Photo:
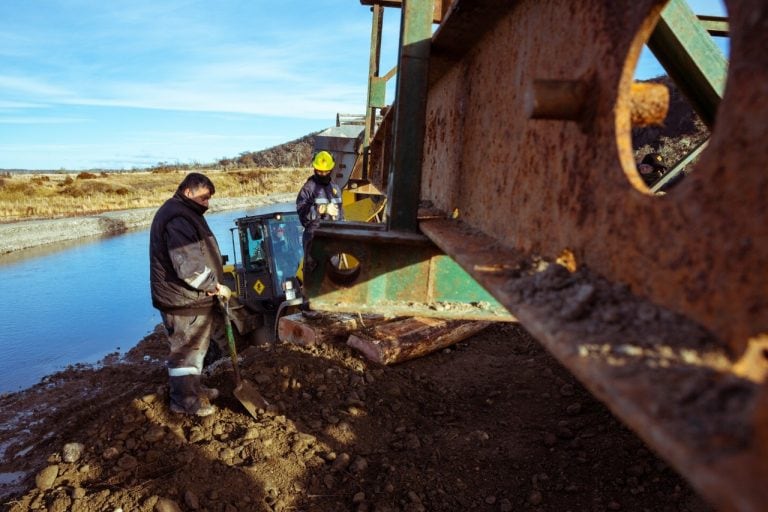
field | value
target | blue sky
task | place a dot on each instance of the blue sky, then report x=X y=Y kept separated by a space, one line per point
x=87 y=84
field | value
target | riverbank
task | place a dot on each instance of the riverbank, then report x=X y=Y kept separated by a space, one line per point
x=17 y=236
x=491 y=424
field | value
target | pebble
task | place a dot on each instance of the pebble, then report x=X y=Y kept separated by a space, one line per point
x=226 y=454
x=154 y=434
x=505 y=505
x=45 y=478
x=341 y=462
x=60 y=503
x=614 y=506
x=412 y=442
x=190 y=498
x=110 y=453
x=196 y=435
x=567 y=390
x=127 y=462
x=479 y=435
x=358 y=498
x=166 y=505
x=149 y=399
x=535 y=498
x=78 y=493
x=252 y=433
x=359 y=465
x=574 y=408
x=72 y=452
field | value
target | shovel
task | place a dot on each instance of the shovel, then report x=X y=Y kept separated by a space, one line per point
x=245 y=392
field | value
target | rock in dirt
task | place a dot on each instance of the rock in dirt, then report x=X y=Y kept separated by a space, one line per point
x=71 y=452
x=44 y=479
x=166 y=505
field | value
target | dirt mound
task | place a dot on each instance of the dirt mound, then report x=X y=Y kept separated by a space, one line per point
x=491 y=424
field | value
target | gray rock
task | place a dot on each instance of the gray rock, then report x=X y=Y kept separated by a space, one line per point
x=72 y=452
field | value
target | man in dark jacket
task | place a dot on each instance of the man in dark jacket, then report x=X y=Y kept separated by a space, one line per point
x=185 y=276
x=652 y=168
x=319 y=199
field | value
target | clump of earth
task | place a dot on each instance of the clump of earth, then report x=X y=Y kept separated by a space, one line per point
x=493 y=423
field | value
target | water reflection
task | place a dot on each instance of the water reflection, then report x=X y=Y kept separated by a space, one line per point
x=79 y=301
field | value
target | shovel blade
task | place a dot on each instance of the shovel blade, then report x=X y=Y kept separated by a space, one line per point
x=250 y=397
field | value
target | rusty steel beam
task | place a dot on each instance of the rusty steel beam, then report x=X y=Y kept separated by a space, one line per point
x=665 y=376
x=686 y=269
x=656 y=303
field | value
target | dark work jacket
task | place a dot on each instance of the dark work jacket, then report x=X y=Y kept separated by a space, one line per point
x=184 y=258
x=312 y=195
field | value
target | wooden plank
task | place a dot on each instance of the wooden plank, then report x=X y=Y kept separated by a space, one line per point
x=317 y=327
x=399 y=341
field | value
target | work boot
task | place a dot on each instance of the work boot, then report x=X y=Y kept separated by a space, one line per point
x=185 y=399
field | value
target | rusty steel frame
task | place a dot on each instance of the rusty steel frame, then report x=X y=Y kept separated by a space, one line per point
x=659 y=305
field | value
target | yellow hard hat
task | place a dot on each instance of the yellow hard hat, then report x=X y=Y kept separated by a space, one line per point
x=323 y=161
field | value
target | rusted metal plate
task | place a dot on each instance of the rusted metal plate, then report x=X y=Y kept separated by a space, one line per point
x=689 y=266
x=546 y=185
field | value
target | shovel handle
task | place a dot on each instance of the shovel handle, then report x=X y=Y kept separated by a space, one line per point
x=230 y=340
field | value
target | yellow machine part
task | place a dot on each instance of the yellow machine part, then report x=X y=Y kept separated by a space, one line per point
x=361 y=210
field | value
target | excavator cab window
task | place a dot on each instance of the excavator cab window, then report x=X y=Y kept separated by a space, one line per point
x=256 y=258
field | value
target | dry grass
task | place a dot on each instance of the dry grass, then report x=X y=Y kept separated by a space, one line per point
x=42 y=196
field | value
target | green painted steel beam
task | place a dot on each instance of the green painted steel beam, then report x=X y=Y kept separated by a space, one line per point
x=404 y=183
x=691 y=58
x=715 y=25
x=374 y=91
x=400 y=274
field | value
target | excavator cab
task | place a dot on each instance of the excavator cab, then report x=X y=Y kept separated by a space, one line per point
x=264 y=279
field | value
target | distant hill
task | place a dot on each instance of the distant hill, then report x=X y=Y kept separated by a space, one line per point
x=296 y=153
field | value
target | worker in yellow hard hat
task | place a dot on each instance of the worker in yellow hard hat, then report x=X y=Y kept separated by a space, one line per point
x=319 y=199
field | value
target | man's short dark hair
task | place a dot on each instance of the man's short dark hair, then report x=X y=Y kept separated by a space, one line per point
x=194 y=181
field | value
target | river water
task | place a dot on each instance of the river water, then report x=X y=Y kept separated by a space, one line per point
x=79 y=302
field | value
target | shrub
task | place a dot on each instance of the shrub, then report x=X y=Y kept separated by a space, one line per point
x=86 y=176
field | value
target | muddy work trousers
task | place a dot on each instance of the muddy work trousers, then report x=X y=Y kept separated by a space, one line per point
x=189 y=337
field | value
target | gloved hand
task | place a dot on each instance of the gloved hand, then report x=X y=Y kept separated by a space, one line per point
x=224 y=292
x=332 y=210
x=322 y=209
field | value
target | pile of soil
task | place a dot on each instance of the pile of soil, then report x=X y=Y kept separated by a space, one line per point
x=491 y=424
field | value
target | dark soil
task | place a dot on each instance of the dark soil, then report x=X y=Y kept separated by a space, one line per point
x=491 y=424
